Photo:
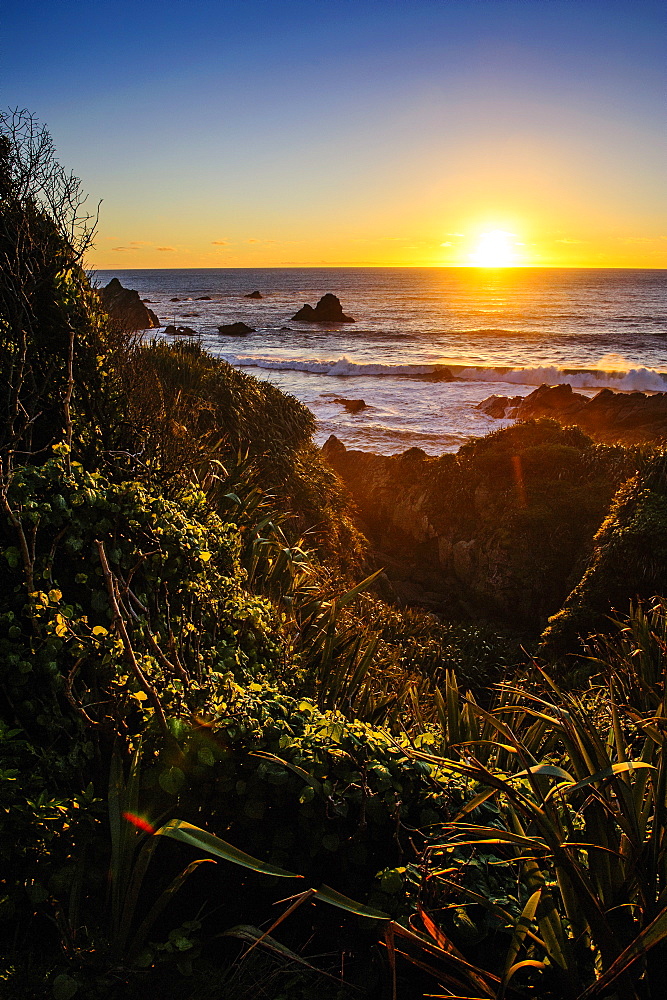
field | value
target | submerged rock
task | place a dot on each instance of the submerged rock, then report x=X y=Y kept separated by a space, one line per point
x=235 y=329
x=351 y=405
x=180 y=331
x=327 y=310
x=439 y=374
x=125 y=306
x=204 y=298
x=254 y=295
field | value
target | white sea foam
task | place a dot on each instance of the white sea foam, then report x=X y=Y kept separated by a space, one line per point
x=628 y=380
x=631 y=380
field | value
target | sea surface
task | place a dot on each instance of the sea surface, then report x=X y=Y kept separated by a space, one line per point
x=501 y=331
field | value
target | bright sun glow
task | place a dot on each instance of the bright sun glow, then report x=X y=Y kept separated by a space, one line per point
x=495 y=249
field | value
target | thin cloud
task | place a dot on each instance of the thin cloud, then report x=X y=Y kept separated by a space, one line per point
x=141 y=243
x=220 y=243
x=121 y=249
x=570 y=241
x=166 y=248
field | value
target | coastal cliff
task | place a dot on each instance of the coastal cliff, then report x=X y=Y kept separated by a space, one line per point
x=503 y=529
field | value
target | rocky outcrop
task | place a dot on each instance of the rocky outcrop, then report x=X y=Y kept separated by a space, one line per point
x=351 y=405
x=626 y=417
x=327 y=310
x=254 y=295
x=235 y=329
x=126 y=308
x=502 y=530
x=628 y=563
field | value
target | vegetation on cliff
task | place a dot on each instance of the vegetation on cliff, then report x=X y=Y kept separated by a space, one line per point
x=204 y=708
x=503 y=529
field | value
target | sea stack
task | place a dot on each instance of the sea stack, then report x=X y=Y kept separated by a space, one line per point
x=125 y=306
x=327 y=310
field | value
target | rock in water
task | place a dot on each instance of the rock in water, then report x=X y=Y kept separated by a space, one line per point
x=500 y=407
x=180 y=331
x=327 y=310
x=235 y=329
x=351 y=405
x=125 y=306
x=254 y=295
x=625 y=417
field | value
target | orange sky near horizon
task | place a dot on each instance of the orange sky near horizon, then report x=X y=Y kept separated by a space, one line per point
x=474 y=245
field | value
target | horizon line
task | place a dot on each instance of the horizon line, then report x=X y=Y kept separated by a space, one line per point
x=391 y=267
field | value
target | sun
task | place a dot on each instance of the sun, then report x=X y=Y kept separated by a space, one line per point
x=495 y=249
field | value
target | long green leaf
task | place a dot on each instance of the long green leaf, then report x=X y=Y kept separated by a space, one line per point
x=350 y=595
x=608 y=772
x=328 y=895
x=521 y=928
x=178 y=829
x=246 y=932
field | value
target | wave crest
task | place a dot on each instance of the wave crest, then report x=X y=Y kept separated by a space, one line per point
x=626 y=380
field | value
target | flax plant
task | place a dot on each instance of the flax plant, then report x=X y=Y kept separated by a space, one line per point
x=579 y=785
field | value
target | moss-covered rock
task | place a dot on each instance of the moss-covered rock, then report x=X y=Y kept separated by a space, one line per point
x=629 y=561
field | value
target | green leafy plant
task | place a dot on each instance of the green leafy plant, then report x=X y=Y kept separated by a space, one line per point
x=578 y=789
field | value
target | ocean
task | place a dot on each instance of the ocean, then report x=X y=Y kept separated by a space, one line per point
x=501 y=331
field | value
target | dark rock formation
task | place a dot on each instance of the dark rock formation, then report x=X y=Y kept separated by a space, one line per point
x=327 y=310
x=351 y=405
x=175 y=300
x=126 y=308
x=204 y=298
x=626 y=417
x=500 y=407
x=254 y=295
x=180 y=331
x=235 y=329
x=149 y=301
x=502 y=530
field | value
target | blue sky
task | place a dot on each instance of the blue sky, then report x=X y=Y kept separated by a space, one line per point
x=262 y=131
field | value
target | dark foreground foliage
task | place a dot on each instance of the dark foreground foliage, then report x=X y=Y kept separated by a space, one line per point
x=226 y=768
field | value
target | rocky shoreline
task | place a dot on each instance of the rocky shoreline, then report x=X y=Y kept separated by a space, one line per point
x=610 y=417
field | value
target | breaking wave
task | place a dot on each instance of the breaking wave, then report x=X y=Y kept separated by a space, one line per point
x=624 y=380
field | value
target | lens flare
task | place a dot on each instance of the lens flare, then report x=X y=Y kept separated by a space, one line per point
x=139 y=822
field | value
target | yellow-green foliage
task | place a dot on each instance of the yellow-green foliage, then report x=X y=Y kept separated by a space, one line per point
x=629 y=561
x=179 y=585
